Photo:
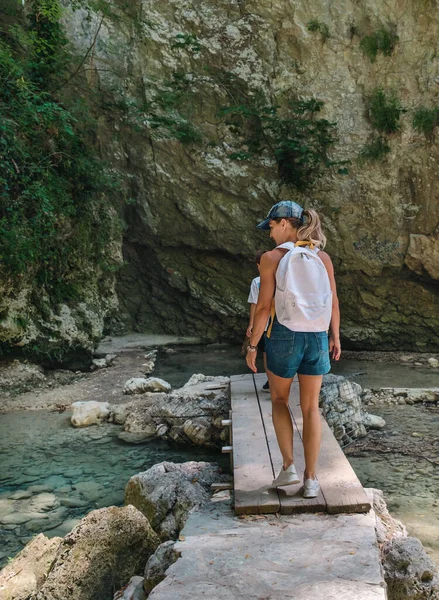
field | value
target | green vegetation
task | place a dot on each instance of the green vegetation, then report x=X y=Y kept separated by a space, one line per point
x=384 y=114
x=315 y=25
x=294 y=135
x=375 y=150
x=55 y=212
x=425 y=120
x=186 y=40
x=380 y=41
x=298 y=140
x=169 y=112
x=385 y=111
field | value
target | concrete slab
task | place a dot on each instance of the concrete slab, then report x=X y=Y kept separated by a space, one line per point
x=133 y=341
x=269 y=557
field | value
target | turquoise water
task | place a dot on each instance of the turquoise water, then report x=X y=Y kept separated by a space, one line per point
x=73 y=470
x=224 y=359
x=405 y=467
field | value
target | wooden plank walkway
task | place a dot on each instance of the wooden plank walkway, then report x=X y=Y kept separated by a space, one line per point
x=256 y=459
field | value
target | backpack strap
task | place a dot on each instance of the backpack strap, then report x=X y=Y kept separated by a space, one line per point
x=286 y=246
x=292 y=245
x=305 y=243
x=272 y=315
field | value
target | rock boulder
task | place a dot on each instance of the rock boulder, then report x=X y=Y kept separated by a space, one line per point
x=409 y=572
x=342 y=407
x=191 y=413
x=158 y=564
x=140 y=385
x=100 y=555
x=89 y=413
x=167 y=492
x=26 y=573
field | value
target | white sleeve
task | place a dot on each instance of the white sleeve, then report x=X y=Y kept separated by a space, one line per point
x=254 y=292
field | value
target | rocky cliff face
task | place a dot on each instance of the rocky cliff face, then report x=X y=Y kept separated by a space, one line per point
x=192 y=211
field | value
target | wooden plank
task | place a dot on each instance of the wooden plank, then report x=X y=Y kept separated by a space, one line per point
x=291 y=499
x=341 y=487
x=219 y=487
x=252 y=470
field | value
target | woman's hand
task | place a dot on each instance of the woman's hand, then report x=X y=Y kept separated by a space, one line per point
x=248 y=333
x=334 y=347
x=251 y=360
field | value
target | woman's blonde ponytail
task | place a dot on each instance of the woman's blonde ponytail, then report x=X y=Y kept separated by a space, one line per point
x=311 y=230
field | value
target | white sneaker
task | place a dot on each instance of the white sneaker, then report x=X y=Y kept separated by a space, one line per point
x=311 y=488
x=286 y=477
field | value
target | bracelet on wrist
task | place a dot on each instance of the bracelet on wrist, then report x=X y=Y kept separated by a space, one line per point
x=252 y=348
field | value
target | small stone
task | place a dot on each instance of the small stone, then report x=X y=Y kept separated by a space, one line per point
x=89 y=489
x=16 y=518
x=20 y=495
x=416 y=434
x=136 y=438
x=44 y=502
x=72 y=502
x=140 y=385
x=98 y=363
x=132 y=591
x=65 y=527
x=374 y=422
x=37 y=489
x=433 y=362
x=162 y=430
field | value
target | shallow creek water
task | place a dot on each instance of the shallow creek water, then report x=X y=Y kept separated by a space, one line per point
x=401 y=462
x=52 y=474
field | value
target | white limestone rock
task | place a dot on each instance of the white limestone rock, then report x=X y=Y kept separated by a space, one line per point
x=140 y=385
x=149 y=365
x=89 y=413
x=98 y=363
x=374 y=421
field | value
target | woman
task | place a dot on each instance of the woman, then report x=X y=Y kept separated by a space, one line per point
x=305 y=351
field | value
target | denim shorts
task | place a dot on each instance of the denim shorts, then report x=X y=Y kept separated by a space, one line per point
x=290 y=352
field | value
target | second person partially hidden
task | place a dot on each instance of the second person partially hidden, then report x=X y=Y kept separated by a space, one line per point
x=299 y=276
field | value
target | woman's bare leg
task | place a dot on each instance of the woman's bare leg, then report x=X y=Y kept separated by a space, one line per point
x=283 y=426
x=312 y=430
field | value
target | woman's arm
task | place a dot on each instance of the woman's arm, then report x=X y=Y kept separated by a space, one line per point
x=334 y=338
x=267 y=271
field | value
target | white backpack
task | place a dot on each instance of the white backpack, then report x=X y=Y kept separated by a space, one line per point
x=303 y=296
